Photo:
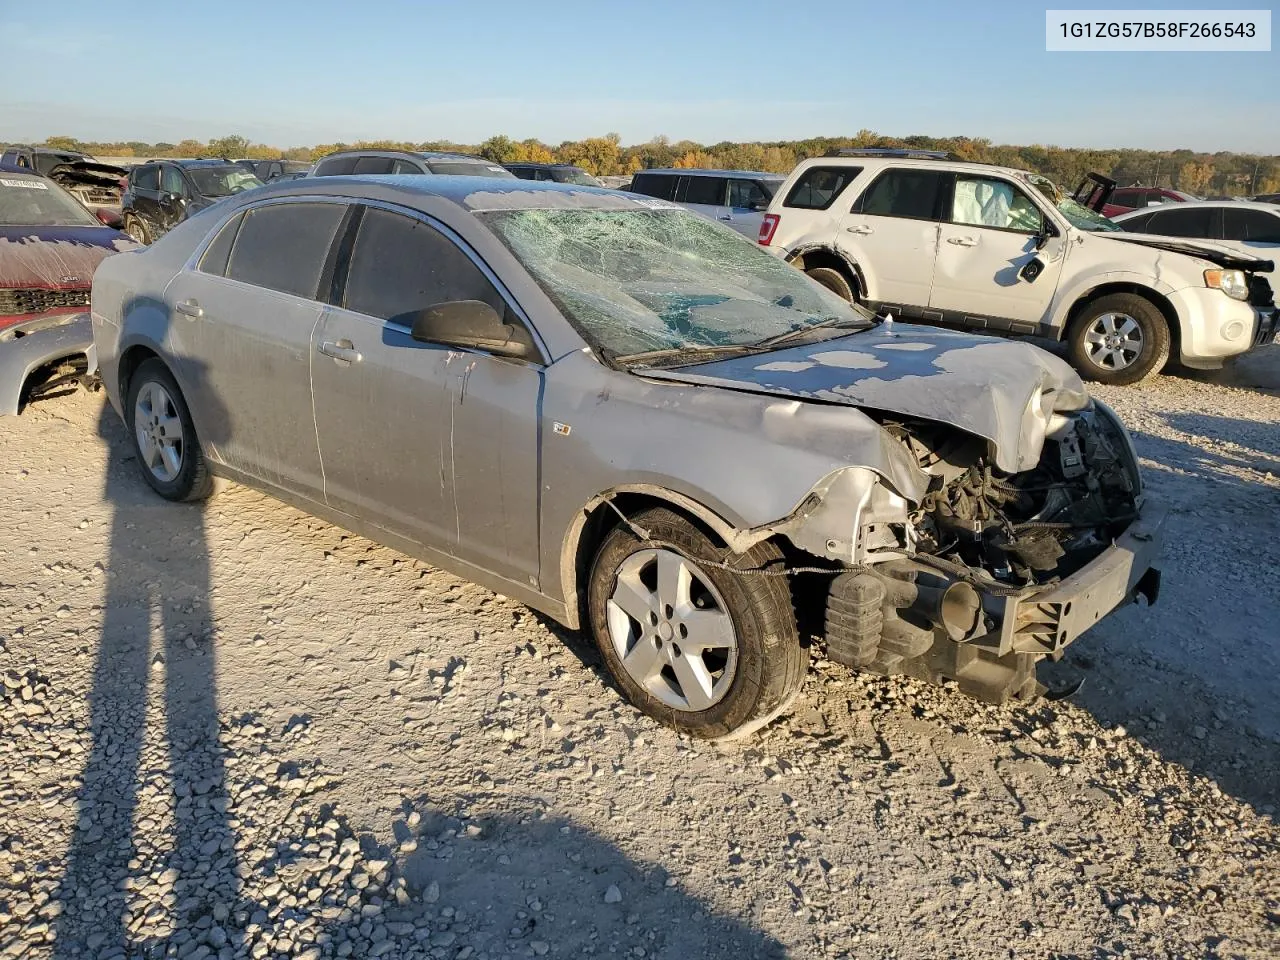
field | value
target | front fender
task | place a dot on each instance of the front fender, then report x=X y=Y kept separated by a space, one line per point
x=1073 y=289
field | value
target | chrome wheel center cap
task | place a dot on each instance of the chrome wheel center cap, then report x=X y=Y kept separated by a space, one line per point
x=665 y=633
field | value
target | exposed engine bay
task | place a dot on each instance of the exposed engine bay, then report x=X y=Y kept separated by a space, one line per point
x=1032 y=527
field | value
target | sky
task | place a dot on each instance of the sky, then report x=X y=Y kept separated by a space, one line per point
x=326 y=71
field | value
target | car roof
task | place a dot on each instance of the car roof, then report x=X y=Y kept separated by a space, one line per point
x=1194 y=204
x=867 y=161
x=417 y=154
x=707 y=172
x=545 y=166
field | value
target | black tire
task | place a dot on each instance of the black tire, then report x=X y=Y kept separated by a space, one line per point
x=193 y=481
x=834 y=281
x=1155 y=343
x=136 y=229
x=770 y=664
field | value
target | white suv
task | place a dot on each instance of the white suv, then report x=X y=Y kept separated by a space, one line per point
x=970 y=245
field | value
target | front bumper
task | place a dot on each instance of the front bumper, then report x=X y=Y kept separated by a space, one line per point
x=1214 y=327
x=42 y=342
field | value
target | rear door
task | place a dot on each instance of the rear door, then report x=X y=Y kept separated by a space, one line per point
x=892 y=234
x=436 y=444
x=174 y=197
x=746 y=205
x=989 y=235
x=144 y=186
x=705 y=195
x=248 y=312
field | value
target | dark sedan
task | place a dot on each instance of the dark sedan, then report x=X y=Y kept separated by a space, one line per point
x=50 y=246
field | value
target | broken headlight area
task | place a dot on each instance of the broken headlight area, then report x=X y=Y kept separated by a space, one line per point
x=996 y=571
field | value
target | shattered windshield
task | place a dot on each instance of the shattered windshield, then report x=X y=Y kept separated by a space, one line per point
x=1080 y=216
x=222 y=181
x=636 y=281
x=26 y=201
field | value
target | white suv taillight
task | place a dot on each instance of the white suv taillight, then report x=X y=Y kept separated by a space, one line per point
x=767 y=226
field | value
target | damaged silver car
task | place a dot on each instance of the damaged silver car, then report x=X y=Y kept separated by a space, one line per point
x=634 y=420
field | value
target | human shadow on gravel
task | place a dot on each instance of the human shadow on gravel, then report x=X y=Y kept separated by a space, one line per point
x=156 y=583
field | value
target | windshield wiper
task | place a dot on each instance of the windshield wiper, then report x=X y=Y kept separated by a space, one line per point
x=830 y=323
x=697 y=353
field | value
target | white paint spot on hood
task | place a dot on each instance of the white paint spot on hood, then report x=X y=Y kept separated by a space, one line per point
x=849 y=359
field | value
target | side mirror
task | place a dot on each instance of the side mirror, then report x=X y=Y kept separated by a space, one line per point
x=469 y=323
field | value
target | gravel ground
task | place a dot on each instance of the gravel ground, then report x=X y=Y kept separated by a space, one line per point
x=235 y=730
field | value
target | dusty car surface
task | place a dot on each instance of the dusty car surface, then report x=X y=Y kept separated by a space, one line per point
x=638 y=422
x=49 y=247
x=976 y=246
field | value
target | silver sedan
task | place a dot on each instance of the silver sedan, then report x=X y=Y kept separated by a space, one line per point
x=636 y=421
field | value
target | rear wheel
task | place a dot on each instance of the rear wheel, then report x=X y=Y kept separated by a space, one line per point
x=164 y=438
x=707 y=651
x=833 y=280
x=1119 y=339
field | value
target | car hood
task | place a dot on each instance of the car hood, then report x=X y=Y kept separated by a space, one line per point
x=56 y=257
x=1001 y=390
x=1204 y=249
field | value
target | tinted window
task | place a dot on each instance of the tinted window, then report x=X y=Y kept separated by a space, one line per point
x=146 y=178
x=708 y=190
x=524 y=173
x=991 y=202
x=1250 y=225
x=401 y=265
x=1127 y=198
x=465 y=168
x=283 y=246
x=218 y=253
x=818 y=187
x=374 y=165
x=406 y=167
x=913 y=194
x=1174 y=222
x=654 y=185
x=171 y=181
x=746 y=194
x=336 y=167
x=1138 y=224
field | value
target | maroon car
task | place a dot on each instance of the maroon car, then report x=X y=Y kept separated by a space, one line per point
x=49 y=247
x=1124 y=199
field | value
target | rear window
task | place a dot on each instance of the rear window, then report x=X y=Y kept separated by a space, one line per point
x=283 y=246
x=655 y=185
x=1252 y=225
x=818 y=187
x=704 y=190
x=906 y=193
x=335 y=167
x=464 y=168
x=1175 y=222
x=374 y=165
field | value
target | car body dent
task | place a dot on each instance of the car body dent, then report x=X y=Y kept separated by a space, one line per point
x=42 y=343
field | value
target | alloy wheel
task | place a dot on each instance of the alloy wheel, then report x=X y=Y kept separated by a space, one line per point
x=1114 y=341
x=158 y=429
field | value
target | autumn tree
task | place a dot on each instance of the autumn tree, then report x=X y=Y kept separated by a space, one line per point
x=229 y=146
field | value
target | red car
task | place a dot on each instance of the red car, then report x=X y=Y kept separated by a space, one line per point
x=1124 y=199
x=49 y=247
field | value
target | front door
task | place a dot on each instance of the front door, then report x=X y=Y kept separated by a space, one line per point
x=248 y=312
x=892 y=234
x=991 y=233
x=438 y=445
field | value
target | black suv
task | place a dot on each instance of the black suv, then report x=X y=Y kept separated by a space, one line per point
x=162 y=193
x=555 y=172
x=402 y=161
x=269 y=171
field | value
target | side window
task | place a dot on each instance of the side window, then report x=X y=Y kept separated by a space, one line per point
x=9 y=156
x=746 y=194
x=218 y=253
x=146 y=178
x=1169 y=221
x=283 y=246
x=401 y=265
x=653 y=185
x=337 y=167
x=171 y=181
x=705 y=190
x=1127 y=198
x=374 y=165
x=818 y=187
x=405 y=166
x=1138 y=224
x=1252 y=225
x=910 y=194
x=988 y=202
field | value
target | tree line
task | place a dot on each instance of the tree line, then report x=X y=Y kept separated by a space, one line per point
x=1222 y=173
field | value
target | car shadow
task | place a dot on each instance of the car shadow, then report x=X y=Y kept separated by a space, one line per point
x=157 y=628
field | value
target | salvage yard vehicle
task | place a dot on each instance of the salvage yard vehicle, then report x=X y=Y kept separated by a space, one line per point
x=1124 y=199
x=49 y=248
x=162 y=193
x=638 y=422
x=737 y=198
x=433 y=162
x=991 y=248
x=555 y=172
x=1249 y=229
x=98 y=186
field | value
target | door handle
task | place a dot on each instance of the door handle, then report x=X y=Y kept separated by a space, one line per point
x=963 y=241
x=343 y=350
x=861 y=228
x=190 y=308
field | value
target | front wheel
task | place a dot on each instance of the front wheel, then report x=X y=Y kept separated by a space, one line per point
x=164 y=438
x=1119 y=339
x=135 y=229
x=710 y=652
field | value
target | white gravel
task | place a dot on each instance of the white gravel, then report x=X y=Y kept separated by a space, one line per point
x=237 y=731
